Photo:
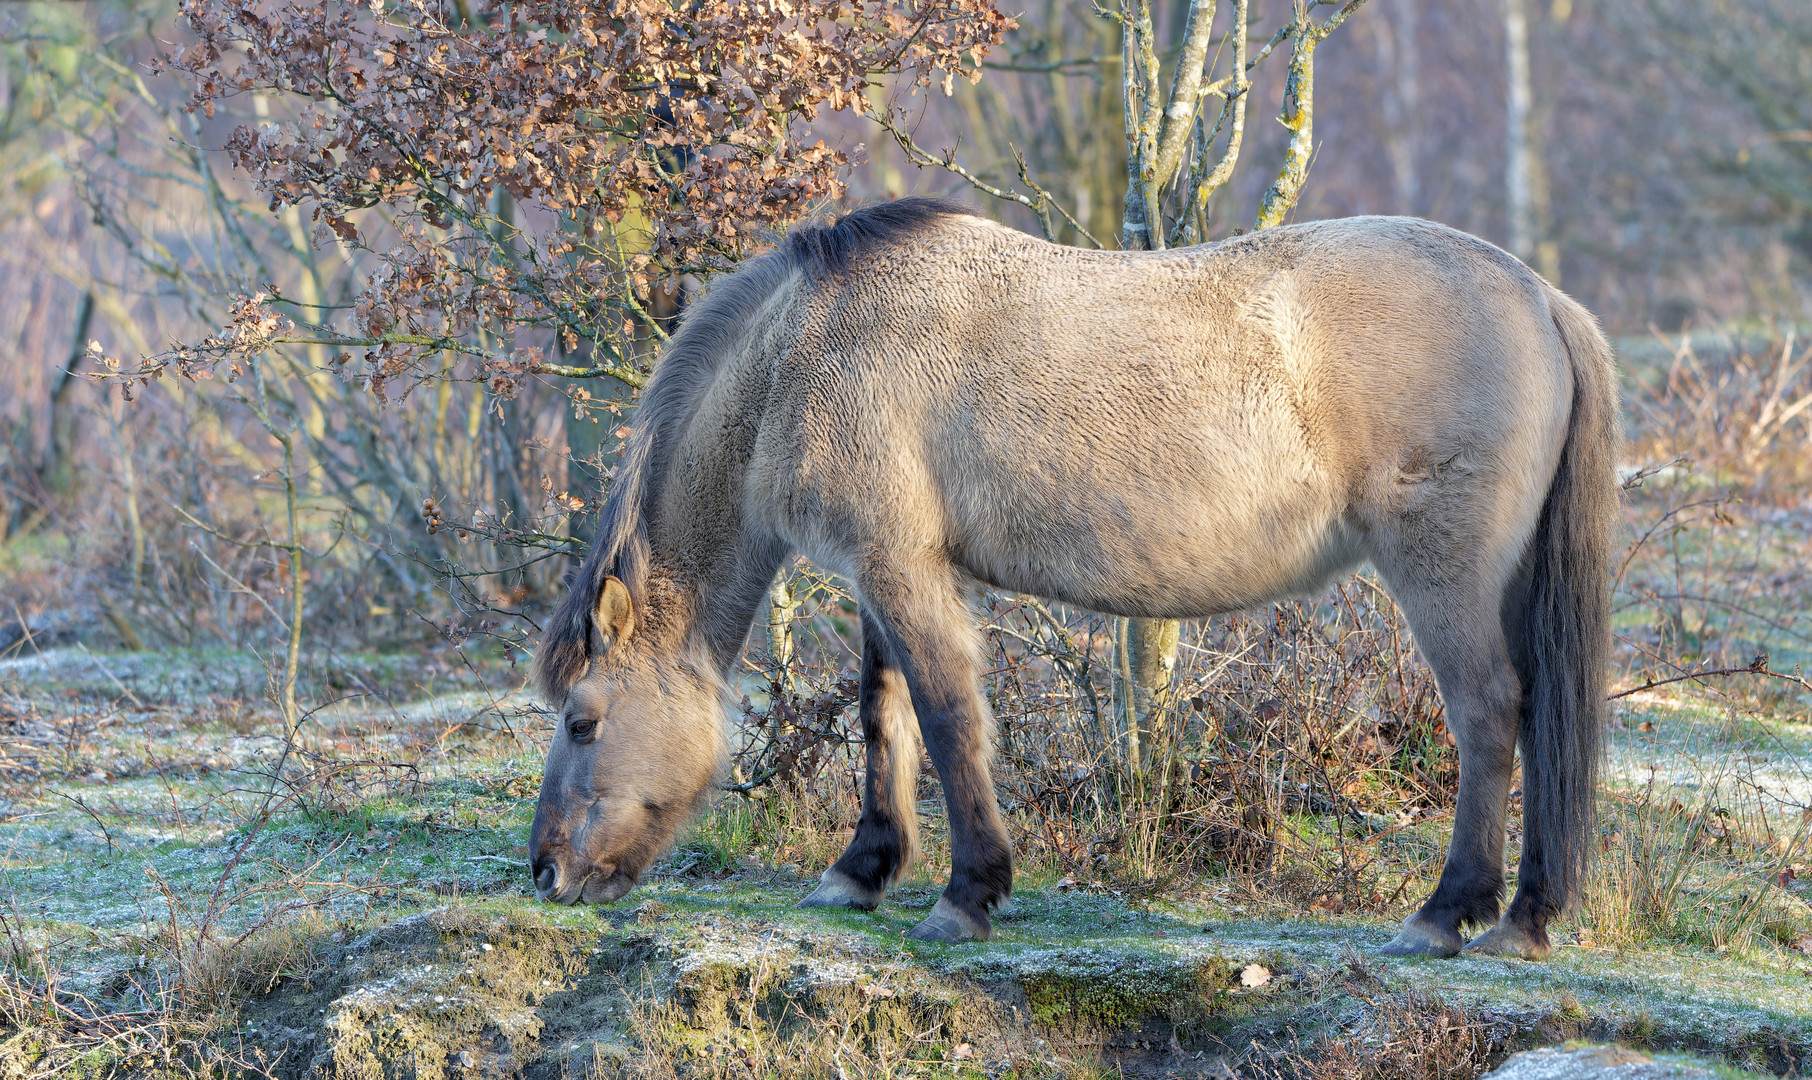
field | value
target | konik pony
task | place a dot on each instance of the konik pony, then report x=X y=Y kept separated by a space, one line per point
x=923 y=401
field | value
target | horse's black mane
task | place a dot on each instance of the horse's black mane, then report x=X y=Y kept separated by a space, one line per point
x=833 y=248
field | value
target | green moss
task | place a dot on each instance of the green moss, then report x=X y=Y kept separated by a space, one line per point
x=97 y=1063
x=1115 y=990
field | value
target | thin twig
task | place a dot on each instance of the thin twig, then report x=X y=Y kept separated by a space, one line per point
x=1757 y=666
x=90 y=811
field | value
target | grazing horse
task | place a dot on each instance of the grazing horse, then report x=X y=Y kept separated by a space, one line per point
x=922 y=400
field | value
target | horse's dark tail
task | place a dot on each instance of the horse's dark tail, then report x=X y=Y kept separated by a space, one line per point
x=1563 y=630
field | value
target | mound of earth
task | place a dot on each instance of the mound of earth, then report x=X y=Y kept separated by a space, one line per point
x=730 y=981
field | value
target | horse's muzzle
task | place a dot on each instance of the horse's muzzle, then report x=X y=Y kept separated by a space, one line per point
x=600 y=885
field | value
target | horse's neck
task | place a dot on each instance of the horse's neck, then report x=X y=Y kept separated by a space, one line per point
x=699 y=541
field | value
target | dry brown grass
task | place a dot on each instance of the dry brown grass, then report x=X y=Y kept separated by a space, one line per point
x=1400 y=1035
x=166 y=1017
x=1739 y=407
x=48 y=1031
x=1410 y=1036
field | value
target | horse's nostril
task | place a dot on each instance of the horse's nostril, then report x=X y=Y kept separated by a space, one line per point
x=546 y=876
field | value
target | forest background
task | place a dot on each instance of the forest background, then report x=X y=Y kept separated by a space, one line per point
x=1663 y=179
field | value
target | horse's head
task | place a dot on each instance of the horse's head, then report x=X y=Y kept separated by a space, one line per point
x=635 y=752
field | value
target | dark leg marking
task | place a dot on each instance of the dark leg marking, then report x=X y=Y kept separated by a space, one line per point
x=1464 y=644
x=886 y=839
x=930 y=632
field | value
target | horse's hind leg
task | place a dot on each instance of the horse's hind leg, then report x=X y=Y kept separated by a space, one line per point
x=887 y=834
x=1459 y=633
x=1523 y=931
x=929 y=630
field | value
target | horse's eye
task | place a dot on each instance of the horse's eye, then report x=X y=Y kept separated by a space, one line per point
x=581 y=728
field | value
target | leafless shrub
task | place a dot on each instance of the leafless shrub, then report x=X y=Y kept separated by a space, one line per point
x=55 y=1031
x=1721 y=431
x=253 y=929
x=139 y=1026
x=1309 y=712
x=258 y=922
x=1306 y=747
x=1738 y=409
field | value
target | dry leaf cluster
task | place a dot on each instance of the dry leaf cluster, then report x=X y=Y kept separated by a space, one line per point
x=523 y=173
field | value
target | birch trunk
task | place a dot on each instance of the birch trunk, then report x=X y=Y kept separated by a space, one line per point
x=1394 y=41
x=783 y=604
x=1519 y=170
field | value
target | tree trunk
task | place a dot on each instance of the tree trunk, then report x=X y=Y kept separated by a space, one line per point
x=1148 y=649
x=57 y=471
x=1519 y=174
x=1394 y=41
x=783 y=604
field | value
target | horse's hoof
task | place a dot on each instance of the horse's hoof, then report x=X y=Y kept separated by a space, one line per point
x=1418 y=939
x=836 y=890
x=1508 y=939
x=950 y=924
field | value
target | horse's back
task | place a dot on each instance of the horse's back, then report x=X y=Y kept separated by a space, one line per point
x=1167 y=433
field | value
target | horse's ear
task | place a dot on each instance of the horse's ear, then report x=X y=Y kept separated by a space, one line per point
x=614 y=618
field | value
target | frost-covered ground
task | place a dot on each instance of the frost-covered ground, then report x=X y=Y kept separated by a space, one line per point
x=393 y=933
x=1696 y=748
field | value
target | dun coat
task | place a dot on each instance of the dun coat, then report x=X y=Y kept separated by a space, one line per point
x=922 y=400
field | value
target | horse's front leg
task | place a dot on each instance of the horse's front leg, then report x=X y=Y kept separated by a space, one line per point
x=887 y=834
x=923 y=623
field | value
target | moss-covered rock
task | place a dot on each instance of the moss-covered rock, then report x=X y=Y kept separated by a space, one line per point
x=1116 y=989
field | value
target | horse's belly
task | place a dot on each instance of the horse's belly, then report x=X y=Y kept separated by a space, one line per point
x=1186 y=546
